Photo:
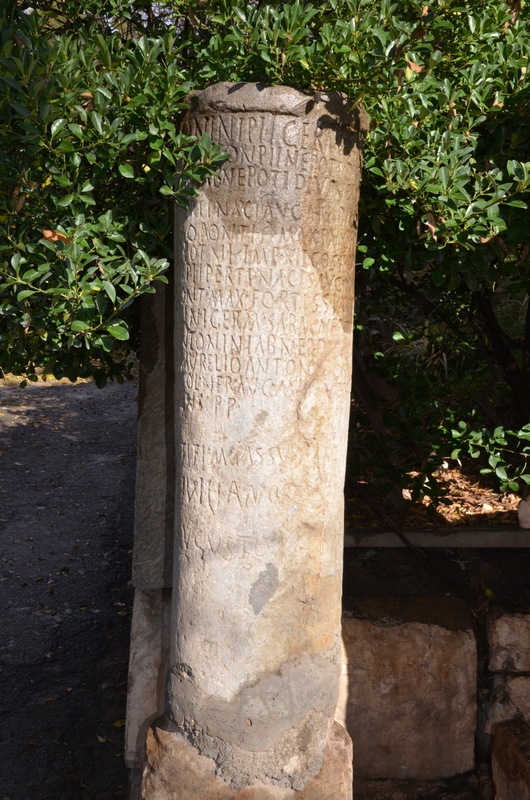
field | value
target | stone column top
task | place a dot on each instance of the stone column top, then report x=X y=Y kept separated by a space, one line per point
x=229 y=97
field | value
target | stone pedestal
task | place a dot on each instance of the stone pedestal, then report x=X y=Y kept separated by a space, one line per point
x=261 y=370
x=175 y=771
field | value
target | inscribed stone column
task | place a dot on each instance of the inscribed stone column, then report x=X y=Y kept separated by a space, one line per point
x=264 y=266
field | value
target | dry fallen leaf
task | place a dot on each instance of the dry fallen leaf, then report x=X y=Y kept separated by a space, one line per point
x=414 y=67
x=119 y=723
x=431 y=224
x=55 y=236
x=88 y=100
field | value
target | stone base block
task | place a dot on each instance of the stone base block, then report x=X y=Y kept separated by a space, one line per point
x=511 y=761
x=175 y=771
x=510 y=699
x=410 y=693
x=509 y=643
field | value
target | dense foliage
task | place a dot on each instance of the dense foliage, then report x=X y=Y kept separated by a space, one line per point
x=90 y=98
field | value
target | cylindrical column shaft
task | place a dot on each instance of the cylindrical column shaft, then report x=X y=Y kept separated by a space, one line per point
x=264 y=265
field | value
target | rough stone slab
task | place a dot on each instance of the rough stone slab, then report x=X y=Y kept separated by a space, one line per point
x=511 y=537
x=154 y=508
x=511 y=761
x=509 y=643
x=411 y=694
x=510 y=699
x=175 y=771
x=148 y=662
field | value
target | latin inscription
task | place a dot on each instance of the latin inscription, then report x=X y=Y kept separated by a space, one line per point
x=261 y=261
x=265 y=280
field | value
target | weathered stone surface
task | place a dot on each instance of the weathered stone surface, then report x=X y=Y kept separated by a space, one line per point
x=175 y=771
x=523 y=513
x=510 y=699
x=148 y=663
x=263 y=313
x=509 y=643
x=511 y=761
x=411 y=687
x=154 y=509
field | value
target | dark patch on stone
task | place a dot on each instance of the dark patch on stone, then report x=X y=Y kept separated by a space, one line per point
x=275 y=703
x=263 y=588
x=448 y=613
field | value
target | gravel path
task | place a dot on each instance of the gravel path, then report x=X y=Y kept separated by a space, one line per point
x=67 y=462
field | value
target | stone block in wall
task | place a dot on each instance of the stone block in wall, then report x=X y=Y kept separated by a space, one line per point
x=410 y=698
x=509 y=643
x=511 y=761
x=510 y=699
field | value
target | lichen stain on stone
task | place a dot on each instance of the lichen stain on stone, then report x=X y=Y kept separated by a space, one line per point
x=263 y=588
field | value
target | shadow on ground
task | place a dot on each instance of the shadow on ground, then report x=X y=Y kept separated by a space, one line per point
x=67 y=464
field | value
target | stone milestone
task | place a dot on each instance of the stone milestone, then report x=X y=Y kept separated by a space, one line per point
x=263 y=313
